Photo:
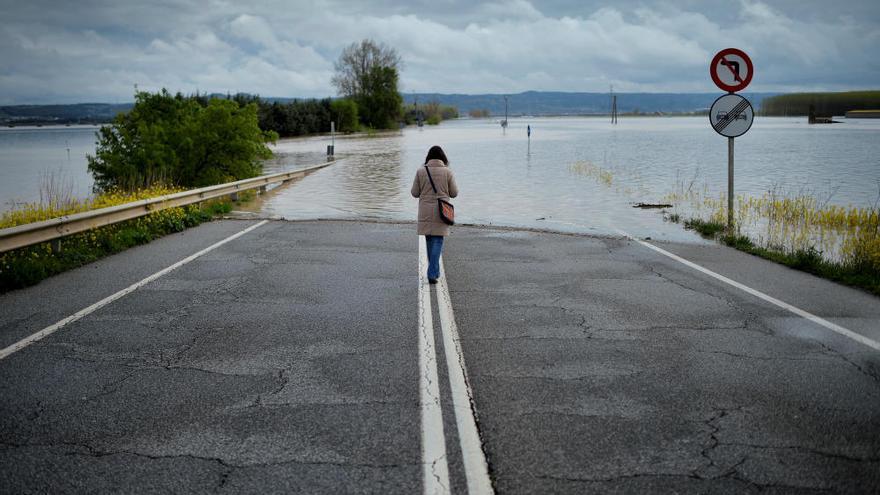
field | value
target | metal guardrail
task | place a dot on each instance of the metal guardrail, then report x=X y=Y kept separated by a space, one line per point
x=56 y=228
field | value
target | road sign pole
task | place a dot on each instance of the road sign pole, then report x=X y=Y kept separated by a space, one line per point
x=730 y=186
x=731 y=115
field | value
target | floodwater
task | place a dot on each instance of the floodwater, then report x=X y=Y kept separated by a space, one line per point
x=29 y=153
x=579 y=174
x=574 y=174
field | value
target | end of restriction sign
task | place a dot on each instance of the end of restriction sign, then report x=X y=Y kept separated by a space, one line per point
x=731 y=115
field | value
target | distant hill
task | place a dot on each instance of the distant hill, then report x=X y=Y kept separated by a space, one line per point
x=80 y=113
x=559 y=103
x=528 y=103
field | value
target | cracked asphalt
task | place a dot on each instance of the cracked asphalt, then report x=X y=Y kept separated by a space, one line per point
x=287 y=361
x=599 y=366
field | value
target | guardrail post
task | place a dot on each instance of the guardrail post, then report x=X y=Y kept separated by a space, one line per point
x=234 y=196
x=262 y=189
x=56 y=245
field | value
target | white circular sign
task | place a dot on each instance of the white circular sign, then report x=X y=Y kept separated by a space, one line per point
x=731 y=115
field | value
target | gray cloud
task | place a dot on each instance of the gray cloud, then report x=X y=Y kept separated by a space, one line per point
x=97 y=50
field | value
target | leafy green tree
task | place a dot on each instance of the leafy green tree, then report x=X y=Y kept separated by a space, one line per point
x=355 y=63
x=381 y=105
x=367 y=72
x=179 y=140
x=345 y=114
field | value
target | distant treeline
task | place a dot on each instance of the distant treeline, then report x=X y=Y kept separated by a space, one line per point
x=301 y=117
x=431 y=113
x=296 y=117
x=824 y=104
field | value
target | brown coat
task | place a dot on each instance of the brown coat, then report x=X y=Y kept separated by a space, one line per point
x=429 y=212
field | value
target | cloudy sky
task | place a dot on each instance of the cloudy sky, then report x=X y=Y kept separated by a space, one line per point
x=97 y=50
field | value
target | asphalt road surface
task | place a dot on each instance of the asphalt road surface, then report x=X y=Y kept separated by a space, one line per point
x=312 y=357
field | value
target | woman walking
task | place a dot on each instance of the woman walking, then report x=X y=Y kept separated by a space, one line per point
x=431 y=226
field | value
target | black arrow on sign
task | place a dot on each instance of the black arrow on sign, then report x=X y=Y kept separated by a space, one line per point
x=734 y=67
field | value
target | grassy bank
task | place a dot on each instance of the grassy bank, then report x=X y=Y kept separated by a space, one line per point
x=29 y=265
x=861 y=270
x=803 y=231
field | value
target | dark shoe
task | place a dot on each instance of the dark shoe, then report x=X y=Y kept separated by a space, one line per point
x=432 y=281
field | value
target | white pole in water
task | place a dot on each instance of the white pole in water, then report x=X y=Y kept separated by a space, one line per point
x=730 y=185
x=331 y=149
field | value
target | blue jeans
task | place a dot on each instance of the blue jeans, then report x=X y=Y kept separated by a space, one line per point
x=434 y=243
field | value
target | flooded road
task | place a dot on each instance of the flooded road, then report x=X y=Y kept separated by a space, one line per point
x=576 y=174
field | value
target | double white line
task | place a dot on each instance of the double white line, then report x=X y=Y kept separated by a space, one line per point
x=435 y=469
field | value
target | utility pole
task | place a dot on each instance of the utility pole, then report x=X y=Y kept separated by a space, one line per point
x=613 y=106
x=504 y=122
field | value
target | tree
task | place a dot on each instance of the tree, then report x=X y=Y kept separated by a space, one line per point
x=367 y=72
x=181 y=141
x=345 y=113
x=357 y=61
x=380 y=105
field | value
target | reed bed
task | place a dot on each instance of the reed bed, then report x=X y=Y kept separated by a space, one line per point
x=593 y=171
x=845 y=234
x=803 y=230
x=800 y=230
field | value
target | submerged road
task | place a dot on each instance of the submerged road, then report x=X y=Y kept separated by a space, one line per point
x=312 y=357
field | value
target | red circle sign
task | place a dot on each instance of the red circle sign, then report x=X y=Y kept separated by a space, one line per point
x=731 y=69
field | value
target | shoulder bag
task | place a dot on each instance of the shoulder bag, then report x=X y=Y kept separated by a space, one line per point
x=447 y=211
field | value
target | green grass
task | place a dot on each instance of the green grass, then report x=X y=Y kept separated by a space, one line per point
x=29 y=265
x=859 y=274
x=704 y=228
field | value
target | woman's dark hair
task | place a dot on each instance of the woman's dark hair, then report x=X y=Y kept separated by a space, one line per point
x=436 y=153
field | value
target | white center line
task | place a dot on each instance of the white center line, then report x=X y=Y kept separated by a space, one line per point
x=476 y=468
x=772 y=300
x=435 y=470
x=21 y=344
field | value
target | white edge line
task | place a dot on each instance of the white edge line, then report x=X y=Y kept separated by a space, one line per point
x=804 y=314
x=476 y=468
x=21 y=344
x=435 y=470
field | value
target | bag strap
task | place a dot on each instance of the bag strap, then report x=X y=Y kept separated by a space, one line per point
x=430 y=179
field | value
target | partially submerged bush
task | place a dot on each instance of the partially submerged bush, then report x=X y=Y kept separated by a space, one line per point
x=167 y=139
